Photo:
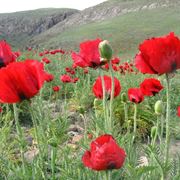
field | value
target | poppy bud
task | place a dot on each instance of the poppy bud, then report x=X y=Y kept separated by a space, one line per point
x=158 y=107
x=153 y=132
x=105 y=50
x=123 y=98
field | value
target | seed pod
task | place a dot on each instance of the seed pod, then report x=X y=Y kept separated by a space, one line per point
x=153 y=132
x=158 y=107
x=105 y=50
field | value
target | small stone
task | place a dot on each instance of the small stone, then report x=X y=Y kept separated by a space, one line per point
x=31 y=154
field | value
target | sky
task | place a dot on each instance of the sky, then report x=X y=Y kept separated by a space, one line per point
x=21 y=5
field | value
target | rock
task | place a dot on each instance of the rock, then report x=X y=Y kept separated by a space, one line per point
x=31 y=154
x=76 y=139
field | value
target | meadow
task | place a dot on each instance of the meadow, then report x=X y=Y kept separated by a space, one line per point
x=56 y=103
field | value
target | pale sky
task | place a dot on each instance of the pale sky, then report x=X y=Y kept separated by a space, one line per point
x=21 y=5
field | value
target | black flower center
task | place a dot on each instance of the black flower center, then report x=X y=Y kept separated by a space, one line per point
x=111 y=165
x=22 y=96
x=1 y=62
x=173 y=66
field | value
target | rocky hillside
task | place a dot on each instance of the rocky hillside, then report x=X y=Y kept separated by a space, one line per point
x=43 y=26
x=21 y=26
x=100 y=13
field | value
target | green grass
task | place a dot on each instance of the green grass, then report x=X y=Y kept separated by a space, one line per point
x=124 y=32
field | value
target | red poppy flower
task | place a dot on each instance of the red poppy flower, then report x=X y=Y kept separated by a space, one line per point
x=29 y=48
x=65 y=78
x=74 y=80
x=159 y=55
x=115 y=68
x=72 y=72
x=98 y=89
x=46 y=60
x=21 y=80
x=17 y=54
x=48 y=77
x=104 y=154
x=151 y=86
x=89 y=54
x=56 y=88
x=41 y=54
x=178 y=111
x=86 y=71
x=115 y=60
x=135 y=95
x=6 y=55
x=68 y=70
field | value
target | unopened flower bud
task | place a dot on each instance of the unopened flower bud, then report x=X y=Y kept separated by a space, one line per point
x=153 y=132
x=105 y=50
x=123 y=97
x=158 y=107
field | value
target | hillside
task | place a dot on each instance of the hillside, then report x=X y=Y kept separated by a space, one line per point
x=124 y=22
x=19 y=27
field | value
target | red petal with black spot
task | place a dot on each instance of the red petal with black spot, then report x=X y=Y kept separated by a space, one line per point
x=21 y=80
x=159 y=55
x=89 y=54
x=151 y=86
x=135 y=95
x=104 y=154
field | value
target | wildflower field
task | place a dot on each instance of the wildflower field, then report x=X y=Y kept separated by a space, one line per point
x=90 y=115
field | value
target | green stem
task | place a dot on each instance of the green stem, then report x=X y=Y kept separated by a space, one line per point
x=53 y=161
x=126 y=115
x=157 y=132
x=104 y=101
x=20 y=136
x=112 y=97
x=135 y=122
x=37 y=137
x=162 y=126
x=107 y=175
x=167 y=142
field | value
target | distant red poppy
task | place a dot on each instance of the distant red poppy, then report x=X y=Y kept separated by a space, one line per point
x=89 y=54
x=135 y=95
x=116 y=60
x=46 y=60
x=56 y=88
x=98 y=89
x=65 y=78
x=159 y=55
x=41 y=54
x=6 y=55
x=178 y=111
x=17 y=54
x=86 y=71
x=48 y=77
x=21 y=80
x=74 y=80
x=151 y=86
x=104 y=154
x=68 y=70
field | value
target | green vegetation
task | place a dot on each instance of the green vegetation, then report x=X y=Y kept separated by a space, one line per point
x=124 y=32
